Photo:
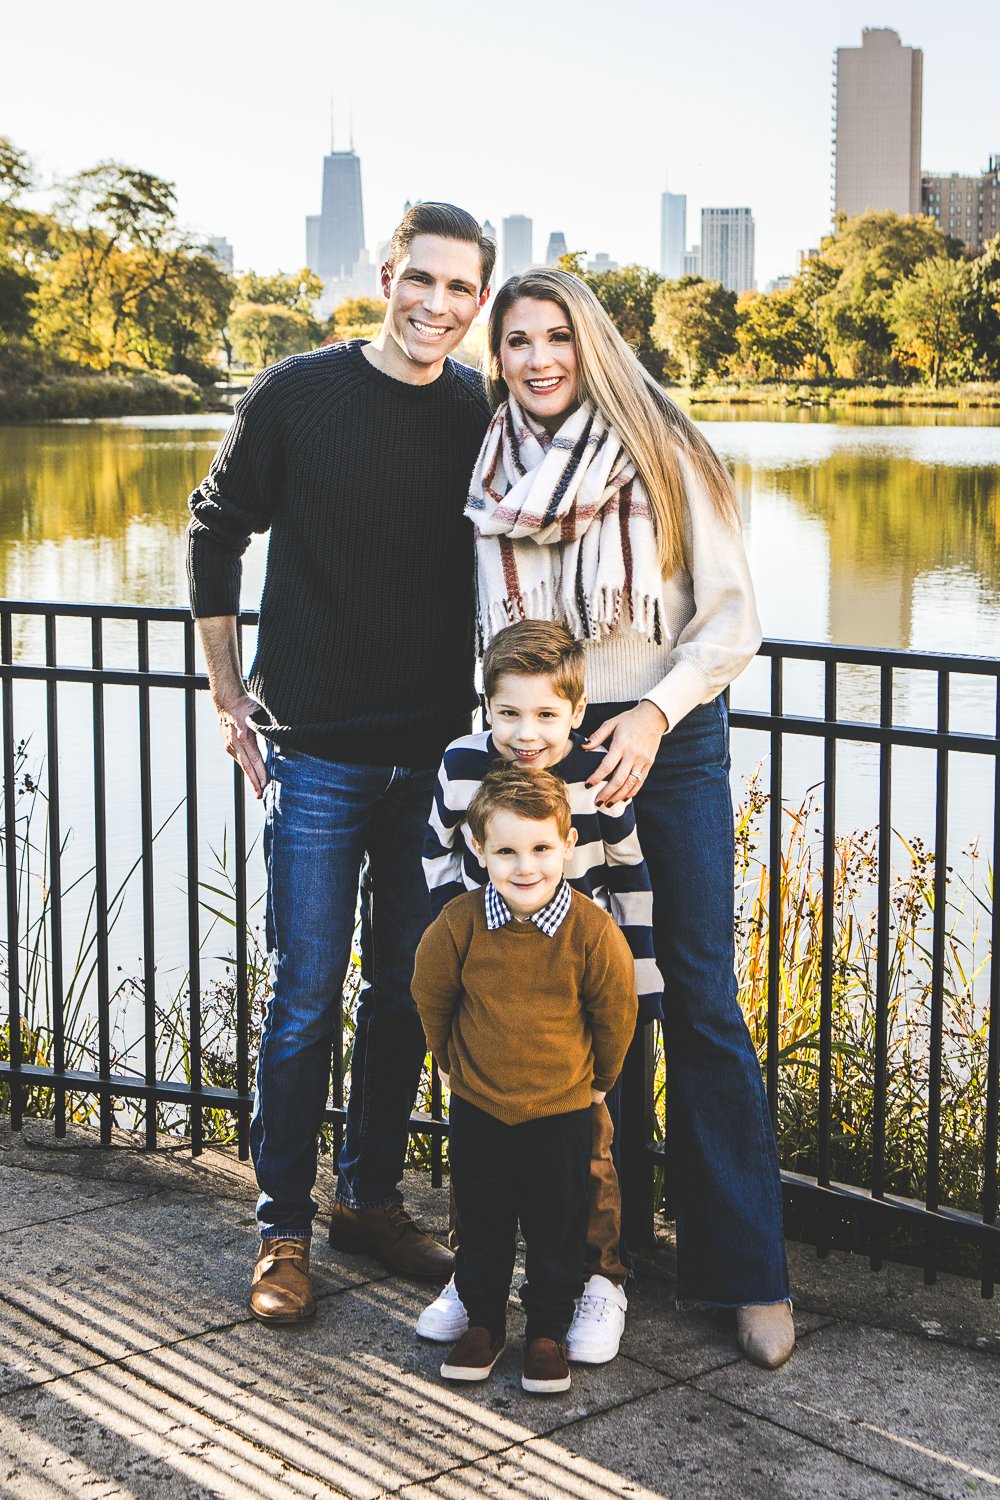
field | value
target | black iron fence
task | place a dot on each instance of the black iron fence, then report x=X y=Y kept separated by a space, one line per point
x=100 y=761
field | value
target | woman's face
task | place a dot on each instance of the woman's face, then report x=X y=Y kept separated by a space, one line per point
x=538 y=360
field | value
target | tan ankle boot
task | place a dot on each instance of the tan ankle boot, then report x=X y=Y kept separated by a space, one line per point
x=281 y=1291
x=766 y=1334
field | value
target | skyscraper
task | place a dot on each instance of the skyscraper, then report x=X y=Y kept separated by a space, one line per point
x=727 y=237
x=673 y=234
x=335 y=236
x=556 y=247
x=878 y=93
x=517 y=255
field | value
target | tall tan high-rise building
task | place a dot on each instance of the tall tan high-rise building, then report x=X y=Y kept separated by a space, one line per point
x=878 y=96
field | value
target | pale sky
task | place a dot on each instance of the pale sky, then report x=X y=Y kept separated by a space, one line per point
x=577 y=114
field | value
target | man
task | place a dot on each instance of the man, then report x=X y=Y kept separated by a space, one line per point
x=357 y=458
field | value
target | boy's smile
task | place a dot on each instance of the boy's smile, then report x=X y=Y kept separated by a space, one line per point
x=531 y=722
x=525 y=859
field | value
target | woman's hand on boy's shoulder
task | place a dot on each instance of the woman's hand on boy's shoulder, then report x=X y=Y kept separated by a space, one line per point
x=634 y=740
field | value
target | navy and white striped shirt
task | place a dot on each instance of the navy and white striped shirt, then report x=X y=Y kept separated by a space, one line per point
x=607 y=863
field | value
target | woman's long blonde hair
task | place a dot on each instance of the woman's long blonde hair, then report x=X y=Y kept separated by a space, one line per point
x=653 y=429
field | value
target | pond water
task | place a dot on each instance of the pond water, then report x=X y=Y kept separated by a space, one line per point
x=878 y=529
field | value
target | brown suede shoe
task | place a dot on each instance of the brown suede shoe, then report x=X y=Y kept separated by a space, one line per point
x=390 y=1235
x=546 y=1369
x=474 y=1356
x=281 y=1291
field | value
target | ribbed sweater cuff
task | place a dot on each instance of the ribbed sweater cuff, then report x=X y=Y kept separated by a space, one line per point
x=683 y=688
x=214 y=579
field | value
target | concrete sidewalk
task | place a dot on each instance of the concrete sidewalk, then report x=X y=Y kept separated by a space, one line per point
x=129 y=1366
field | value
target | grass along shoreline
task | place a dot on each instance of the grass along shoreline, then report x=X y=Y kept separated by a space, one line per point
x=968 y=396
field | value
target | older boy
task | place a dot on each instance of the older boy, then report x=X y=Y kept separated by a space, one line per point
x=527 y=995
x=533 y=678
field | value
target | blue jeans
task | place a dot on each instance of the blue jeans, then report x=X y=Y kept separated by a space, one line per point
x=721 y=1154
x=324 y=822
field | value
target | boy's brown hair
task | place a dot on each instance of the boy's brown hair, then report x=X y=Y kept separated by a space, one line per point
x=535 y=795
x=536 y=648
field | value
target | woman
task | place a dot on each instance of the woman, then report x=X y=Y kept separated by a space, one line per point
x=598 y=503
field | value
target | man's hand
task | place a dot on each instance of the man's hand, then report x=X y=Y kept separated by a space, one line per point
x=233 y=703
x=597 y=1096
x=240 y=739
x=445 y=1080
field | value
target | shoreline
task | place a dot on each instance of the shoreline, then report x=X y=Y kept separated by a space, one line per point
x=971 y=396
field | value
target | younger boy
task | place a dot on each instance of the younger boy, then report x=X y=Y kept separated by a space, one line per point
x=526 y=991
x=533 y=678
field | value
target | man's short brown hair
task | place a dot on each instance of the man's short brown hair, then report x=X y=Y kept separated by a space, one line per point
x=536 y=648
x=450 y=223
x=535 y=795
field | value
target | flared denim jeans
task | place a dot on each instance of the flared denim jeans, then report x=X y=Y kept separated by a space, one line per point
x=327 y=826
x=721 y=1154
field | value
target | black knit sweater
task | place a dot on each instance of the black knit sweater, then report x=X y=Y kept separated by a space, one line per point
x=365 y=648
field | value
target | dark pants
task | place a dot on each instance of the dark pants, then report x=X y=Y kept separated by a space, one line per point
x=535 y=1173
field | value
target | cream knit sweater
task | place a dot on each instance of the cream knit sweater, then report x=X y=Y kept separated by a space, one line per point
x=712 y=628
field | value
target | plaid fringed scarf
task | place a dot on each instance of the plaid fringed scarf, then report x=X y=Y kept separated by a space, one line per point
x=563 y=532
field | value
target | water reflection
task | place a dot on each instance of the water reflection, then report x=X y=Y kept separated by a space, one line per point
x=880 y=533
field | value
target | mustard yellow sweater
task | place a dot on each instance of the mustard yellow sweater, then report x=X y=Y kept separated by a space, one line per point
x=524 y=1023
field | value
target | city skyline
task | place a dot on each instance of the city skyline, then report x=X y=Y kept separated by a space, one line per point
x=252 y=177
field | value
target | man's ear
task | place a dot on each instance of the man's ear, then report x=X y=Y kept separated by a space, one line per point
x=484 y=297
x=385 y=278
x=477 y=850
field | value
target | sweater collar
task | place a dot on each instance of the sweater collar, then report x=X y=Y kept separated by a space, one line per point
x=548 y=920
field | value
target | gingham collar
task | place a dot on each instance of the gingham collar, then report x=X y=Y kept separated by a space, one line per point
x=548 y=920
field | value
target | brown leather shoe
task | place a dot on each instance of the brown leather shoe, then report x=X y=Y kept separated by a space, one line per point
x=546 y=1368
x=390 y=1235
x=281 y=1291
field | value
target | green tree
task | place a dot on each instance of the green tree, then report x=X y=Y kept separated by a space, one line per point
x=575 y=262
x=695 y=324
x=24 y=242
x=124 y=275
x=298 y=290
x=870 y=254
x=355 y=318
x=774 y=334
x=177 y=323
x=925 y=315
x=262 y=333
x=357 y=311
x=981 y=314
x=627 y=297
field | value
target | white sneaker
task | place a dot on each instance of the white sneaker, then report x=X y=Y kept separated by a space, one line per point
x=445 y=1319
x=598 y=1323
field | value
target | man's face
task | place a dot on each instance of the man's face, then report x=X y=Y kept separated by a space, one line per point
x=433 y=295
x=525 y=860
x=531 y=722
